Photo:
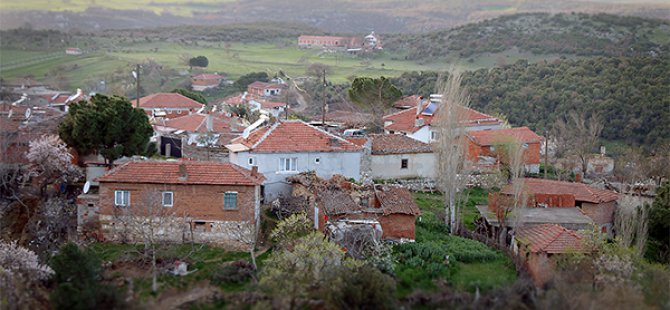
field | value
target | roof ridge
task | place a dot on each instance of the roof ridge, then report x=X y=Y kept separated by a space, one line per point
x=561 y=228
x=265 y=135
x=328 y=133
x=399 y=112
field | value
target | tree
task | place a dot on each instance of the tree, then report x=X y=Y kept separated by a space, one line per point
x=450 y=147
x=511 y=154
x=50 y=162
x=77 y=277
x=191 y=94
x=291 y=229
x=199 y=61
x=631 y=222
x=376 y=94
x=20 y=274
x=577 y=135
x=109 y=126
x=658 y=239
x=317 y=70
x=244 y=81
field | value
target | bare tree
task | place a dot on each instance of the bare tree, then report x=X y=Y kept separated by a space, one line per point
x=511 y=153
x=153 y=224
x=247 y=234
x=50 y=161
x=631 y=222
x=577 y=135
x=450 y=146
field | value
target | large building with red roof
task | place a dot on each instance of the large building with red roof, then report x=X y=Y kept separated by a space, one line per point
x=208 y=201
x=597 y=204
x=416 y=122
x=289 y=147
x=487 y=147
x=169 y=105
x=202 y=82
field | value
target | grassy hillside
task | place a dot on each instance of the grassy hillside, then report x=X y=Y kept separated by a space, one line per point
x=542 y=34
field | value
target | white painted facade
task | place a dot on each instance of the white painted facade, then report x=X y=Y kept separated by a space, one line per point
x=425 y=133
x=419 y=165
x=325 y=164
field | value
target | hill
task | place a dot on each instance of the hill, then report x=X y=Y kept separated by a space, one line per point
x=629 y=93
x=542 y=34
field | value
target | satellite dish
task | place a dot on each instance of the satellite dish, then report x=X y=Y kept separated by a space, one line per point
x=11 y=112
x=27 y=114
x=87 y=186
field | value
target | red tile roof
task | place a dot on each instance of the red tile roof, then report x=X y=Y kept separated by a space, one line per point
x=197 y=123
x=383 y=144
x=406 y=102
x=208 y=76
x=168 y=172
x=169 y=100
x=551 y=239
x=405 y=120
x=496 y=136
x=395 y=200
x=294 y=136
x=264 y=85
x=272 y=105
x=581 y=191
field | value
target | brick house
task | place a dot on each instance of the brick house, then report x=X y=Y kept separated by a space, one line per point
x=203 y=82
x=416 y=122
x=17 y=130
x=483 y=147
x=287 y=148
x=539 y=246
x=597 y=204
x=306 y=41
x=168 y=105
x=396 y=156
x=209 y=201
x=337 y=202
x=263 y=89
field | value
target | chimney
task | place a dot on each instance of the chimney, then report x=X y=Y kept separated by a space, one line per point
x=209 y=121
x=254 y=171
x=419 y=106
x=183 y=175
x=578 y=177
x=602 y=150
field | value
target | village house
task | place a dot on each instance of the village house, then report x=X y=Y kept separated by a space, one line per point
x=169 y=105
x=211 y=202
x=62 y=101
x=74 y=51
x=263 y=89
x=337 y=204
x=484 y=147
x=396 y=157
x=197 y=136
x=598 y=204
x=416 y=122
x=289 y=147
x=202 y=82
x=275 y=109
x=19 y=125
x=539 y=246
x=368 y=43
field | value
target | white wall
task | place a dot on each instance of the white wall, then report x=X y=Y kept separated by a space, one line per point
x=330 y=163
x=422 y=165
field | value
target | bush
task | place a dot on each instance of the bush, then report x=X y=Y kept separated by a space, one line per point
x=235 y=273
x=467 y=251
x=363 y=287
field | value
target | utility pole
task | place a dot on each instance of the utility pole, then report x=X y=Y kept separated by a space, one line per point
x=288 y=89
x=323 y=109
x=546 y=153
x=137 y=79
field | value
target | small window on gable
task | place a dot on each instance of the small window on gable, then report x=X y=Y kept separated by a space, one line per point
x=404 y=163
x=525 y=145
x=168 y=199
x=230 y=200
x=317 y=160
x=252 y=161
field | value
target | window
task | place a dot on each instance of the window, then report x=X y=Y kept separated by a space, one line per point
x=433 y=135
x=288 y=164
x=121 y=198
x=168 y=198
x=317 y=160
x=252 y=161
x=525 y=145
x=230 y=200
x=404 y=163
x=492 y=148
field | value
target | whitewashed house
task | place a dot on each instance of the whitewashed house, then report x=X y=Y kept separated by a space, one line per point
x=289 y=147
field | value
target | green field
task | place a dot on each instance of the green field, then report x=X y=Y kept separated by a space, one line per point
x=156 y=6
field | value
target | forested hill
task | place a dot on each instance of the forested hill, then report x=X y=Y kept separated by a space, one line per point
x=632 y=95
x=542 y=33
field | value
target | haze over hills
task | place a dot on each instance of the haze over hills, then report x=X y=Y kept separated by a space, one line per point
x=388 y=16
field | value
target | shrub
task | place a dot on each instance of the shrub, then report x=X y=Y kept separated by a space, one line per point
x=467 y=251
x=236 y=272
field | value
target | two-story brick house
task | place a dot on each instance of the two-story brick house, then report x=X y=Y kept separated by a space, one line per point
x=483 y=146
x=289 y=147
x=207 y=201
